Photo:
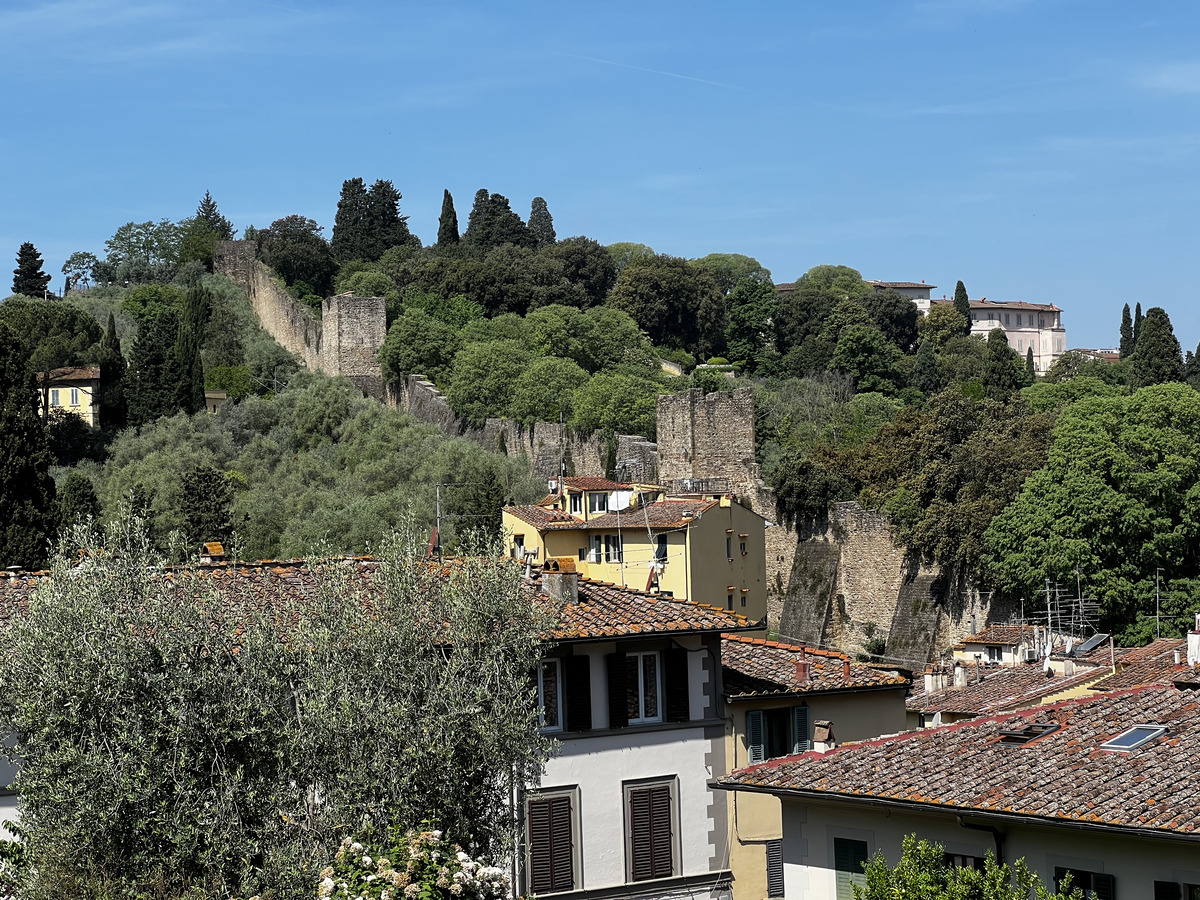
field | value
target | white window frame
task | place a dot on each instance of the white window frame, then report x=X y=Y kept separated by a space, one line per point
x=595 y=548
x=54 y=397
x=612 y=548
x=995 y=654
x=576 y=504
x=543 y=664
x=597 y=502
x=644 y=719
x=74 y=396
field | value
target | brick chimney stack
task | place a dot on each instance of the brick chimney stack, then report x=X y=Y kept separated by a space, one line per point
x=802 y=667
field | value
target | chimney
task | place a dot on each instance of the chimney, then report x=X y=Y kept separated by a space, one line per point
x=960 y=676
x=802 y=667
x=560 y=581
x=846 y=669
x=1177 y=657
x=823 y=740
x=929 y=688
x=1193 y=644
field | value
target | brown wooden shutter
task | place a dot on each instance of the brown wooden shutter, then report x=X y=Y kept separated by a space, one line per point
x=675 y=685
x=618 y=711
x=579 y=693
x=551 y=856
x=650 y=839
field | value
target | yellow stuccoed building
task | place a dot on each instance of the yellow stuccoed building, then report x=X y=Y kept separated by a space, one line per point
x=706 y=548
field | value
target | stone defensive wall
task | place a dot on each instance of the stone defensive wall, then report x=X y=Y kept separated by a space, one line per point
x=344 y=341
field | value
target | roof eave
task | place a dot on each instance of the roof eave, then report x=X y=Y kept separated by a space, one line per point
x=788 y=695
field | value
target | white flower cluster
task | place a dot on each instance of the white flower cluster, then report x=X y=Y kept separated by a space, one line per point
x=424 y=866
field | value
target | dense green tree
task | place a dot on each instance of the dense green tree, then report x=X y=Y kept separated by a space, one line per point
x=26 y=488
x=493 y=223
x=728 y=270
x=1000 y=367
x=1119 y=496
x=208 y=213
x=190 y=390
x=895 y=315
x=942 y=323
x=29 y=279
x=206 y=498
x=597 y=339
x=546 y=389
x=81 y=266
x=368 y=221
x=927 y=377
x=77 y=500
x=141 y=252
x=625 y=252
x=675 y=304
x=804 y=309
x=868 y=357
x=418 y=343
x=199 y=235
x=1126 y=346
x=804 y=491
x=586 y=264
x=350 y=222
x=962 y=303
x=447 y=236
x=1137 y=327
x=1157 y=357
x=1052 y=396
x=113 y=407
x=70 y=438
x=541 y=223
x=52 y=335
x=1030 y=370
x=154 y=376
x=294 y=248
x=749 y=336
x=616 y=403
x=1191 y=368
x=484 y=377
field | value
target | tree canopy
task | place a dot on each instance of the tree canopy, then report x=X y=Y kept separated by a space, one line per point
x=29 y=279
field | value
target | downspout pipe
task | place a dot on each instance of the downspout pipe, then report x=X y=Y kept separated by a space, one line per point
x=997 y=835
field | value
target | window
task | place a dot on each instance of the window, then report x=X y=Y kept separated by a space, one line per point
x=1020 y=345
x=1007 y=320
x=597 y=502
x=642 y=687
x=729 y=547
x=651 y=825
x=1134 y=737
x=775 y=868
x=660 y=548
x=74 y=396
x=962 y=861
x=995 y=654
x=550 y=694
x=612 y=548
x=771 y=733
x=744 y=595
x=551 y=852
x=743 y=548
x=848 y=859
x=518 y=546
x=577 y=504
x=54 y=397
x=729 y=602
x=1103 y=886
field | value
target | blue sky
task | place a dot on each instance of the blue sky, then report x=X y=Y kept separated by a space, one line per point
x=1040 y=150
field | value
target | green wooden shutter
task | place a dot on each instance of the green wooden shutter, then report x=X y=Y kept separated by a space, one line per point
x=675 y=685
x=754 y=736
x=775 y=868
x=578 y=691
x=848 y=859
x=800 y=739
x=618 y=696
x=551 y=854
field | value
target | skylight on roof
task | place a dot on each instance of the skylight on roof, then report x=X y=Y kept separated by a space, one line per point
x=1134 y=737
x=1027 y=733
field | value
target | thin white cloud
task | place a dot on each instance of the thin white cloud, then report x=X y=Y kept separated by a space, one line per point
x=1176 y=78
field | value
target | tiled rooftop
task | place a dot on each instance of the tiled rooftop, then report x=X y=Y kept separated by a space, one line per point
x=606 y=610
x=662 y=514
x=753 y=667
x=902 y=284
x=1152 y=664
x=993 y=690
x=1062 y=776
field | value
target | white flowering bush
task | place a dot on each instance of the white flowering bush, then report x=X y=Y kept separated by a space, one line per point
x=418 y=865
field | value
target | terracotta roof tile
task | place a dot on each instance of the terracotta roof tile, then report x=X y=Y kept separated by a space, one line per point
x=1152 y=664
x=591 y=483
x=993 y=690
x=606 y=610
x=1062 y=776
x=754 y=667
x=542 y=518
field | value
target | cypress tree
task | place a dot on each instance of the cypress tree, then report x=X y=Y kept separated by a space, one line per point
x=350 y=222
x=493 y=223
x=999 y=367
x=77 y=499
x=1030 y=371
x=541 y=223
x=1137 y=328
x=26 y=489
x=207 y=505
x=28 y=277
x=962 y=303
x=927 y=377
x=1126 y=333
x=113 y=411
x=385 y=227
x=447 y=222
x=1157 y=358
x=152 y=383
x=190 y=387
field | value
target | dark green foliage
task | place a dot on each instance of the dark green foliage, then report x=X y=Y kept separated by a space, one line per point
x=447 y=237
x=1137 y=327
x=1118 y=496
x=1126 y=346
x=52 y=335
x=208 y=213
x=927 y=377
x=749 y=337
x=80 y=267
x=199 y=235
x=154 y=376
x=70 y=438
x=1030 y=370
x=206 y=499
x=728 y=270
x=114 y=410
x=586 y=264
x=804 y=491
x=596 y=339
x=1191 y=368
x=143 y=252
x=962 y=304
x=145 y=301
x=1001 y=367
x=28 y=277
x=294 y=248
x=676 y=304
x=77 y=500
x=368 y=221
x=896 y=316
x=484 y=377
x=190 y=390
x=617 y=403
x=493 y=223
x=541 y=224
x=868 y=357
x=418 y=343
x=350 y=222
x=1157 y=358
x=804 y=310
x=546 y=390
x=26 y=489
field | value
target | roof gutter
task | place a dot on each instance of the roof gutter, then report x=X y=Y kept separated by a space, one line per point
x=959 y=812
x=792 y=695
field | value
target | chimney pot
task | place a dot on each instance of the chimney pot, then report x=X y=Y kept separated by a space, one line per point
x=846 y=669
x=802 y=668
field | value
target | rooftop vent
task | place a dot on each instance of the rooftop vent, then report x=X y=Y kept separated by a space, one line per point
x=1027 y=733
x=1134 y=737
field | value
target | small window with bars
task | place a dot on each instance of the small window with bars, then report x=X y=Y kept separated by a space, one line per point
x=552 y=857
x=651 y=830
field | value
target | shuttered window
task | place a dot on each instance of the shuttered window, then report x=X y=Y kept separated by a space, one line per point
x=578 y=692
x=775 y=868
x=1102 y=885
x=1167 y=890
x=800 y=740
x=771 y=733
x=551 y=851
x=848 y=859
x=550 y=694
x=677 y=701
x=650 y=811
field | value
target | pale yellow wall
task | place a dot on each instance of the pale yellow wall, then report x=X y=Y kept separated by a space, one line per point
x=82 y=408
x=754 y=818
